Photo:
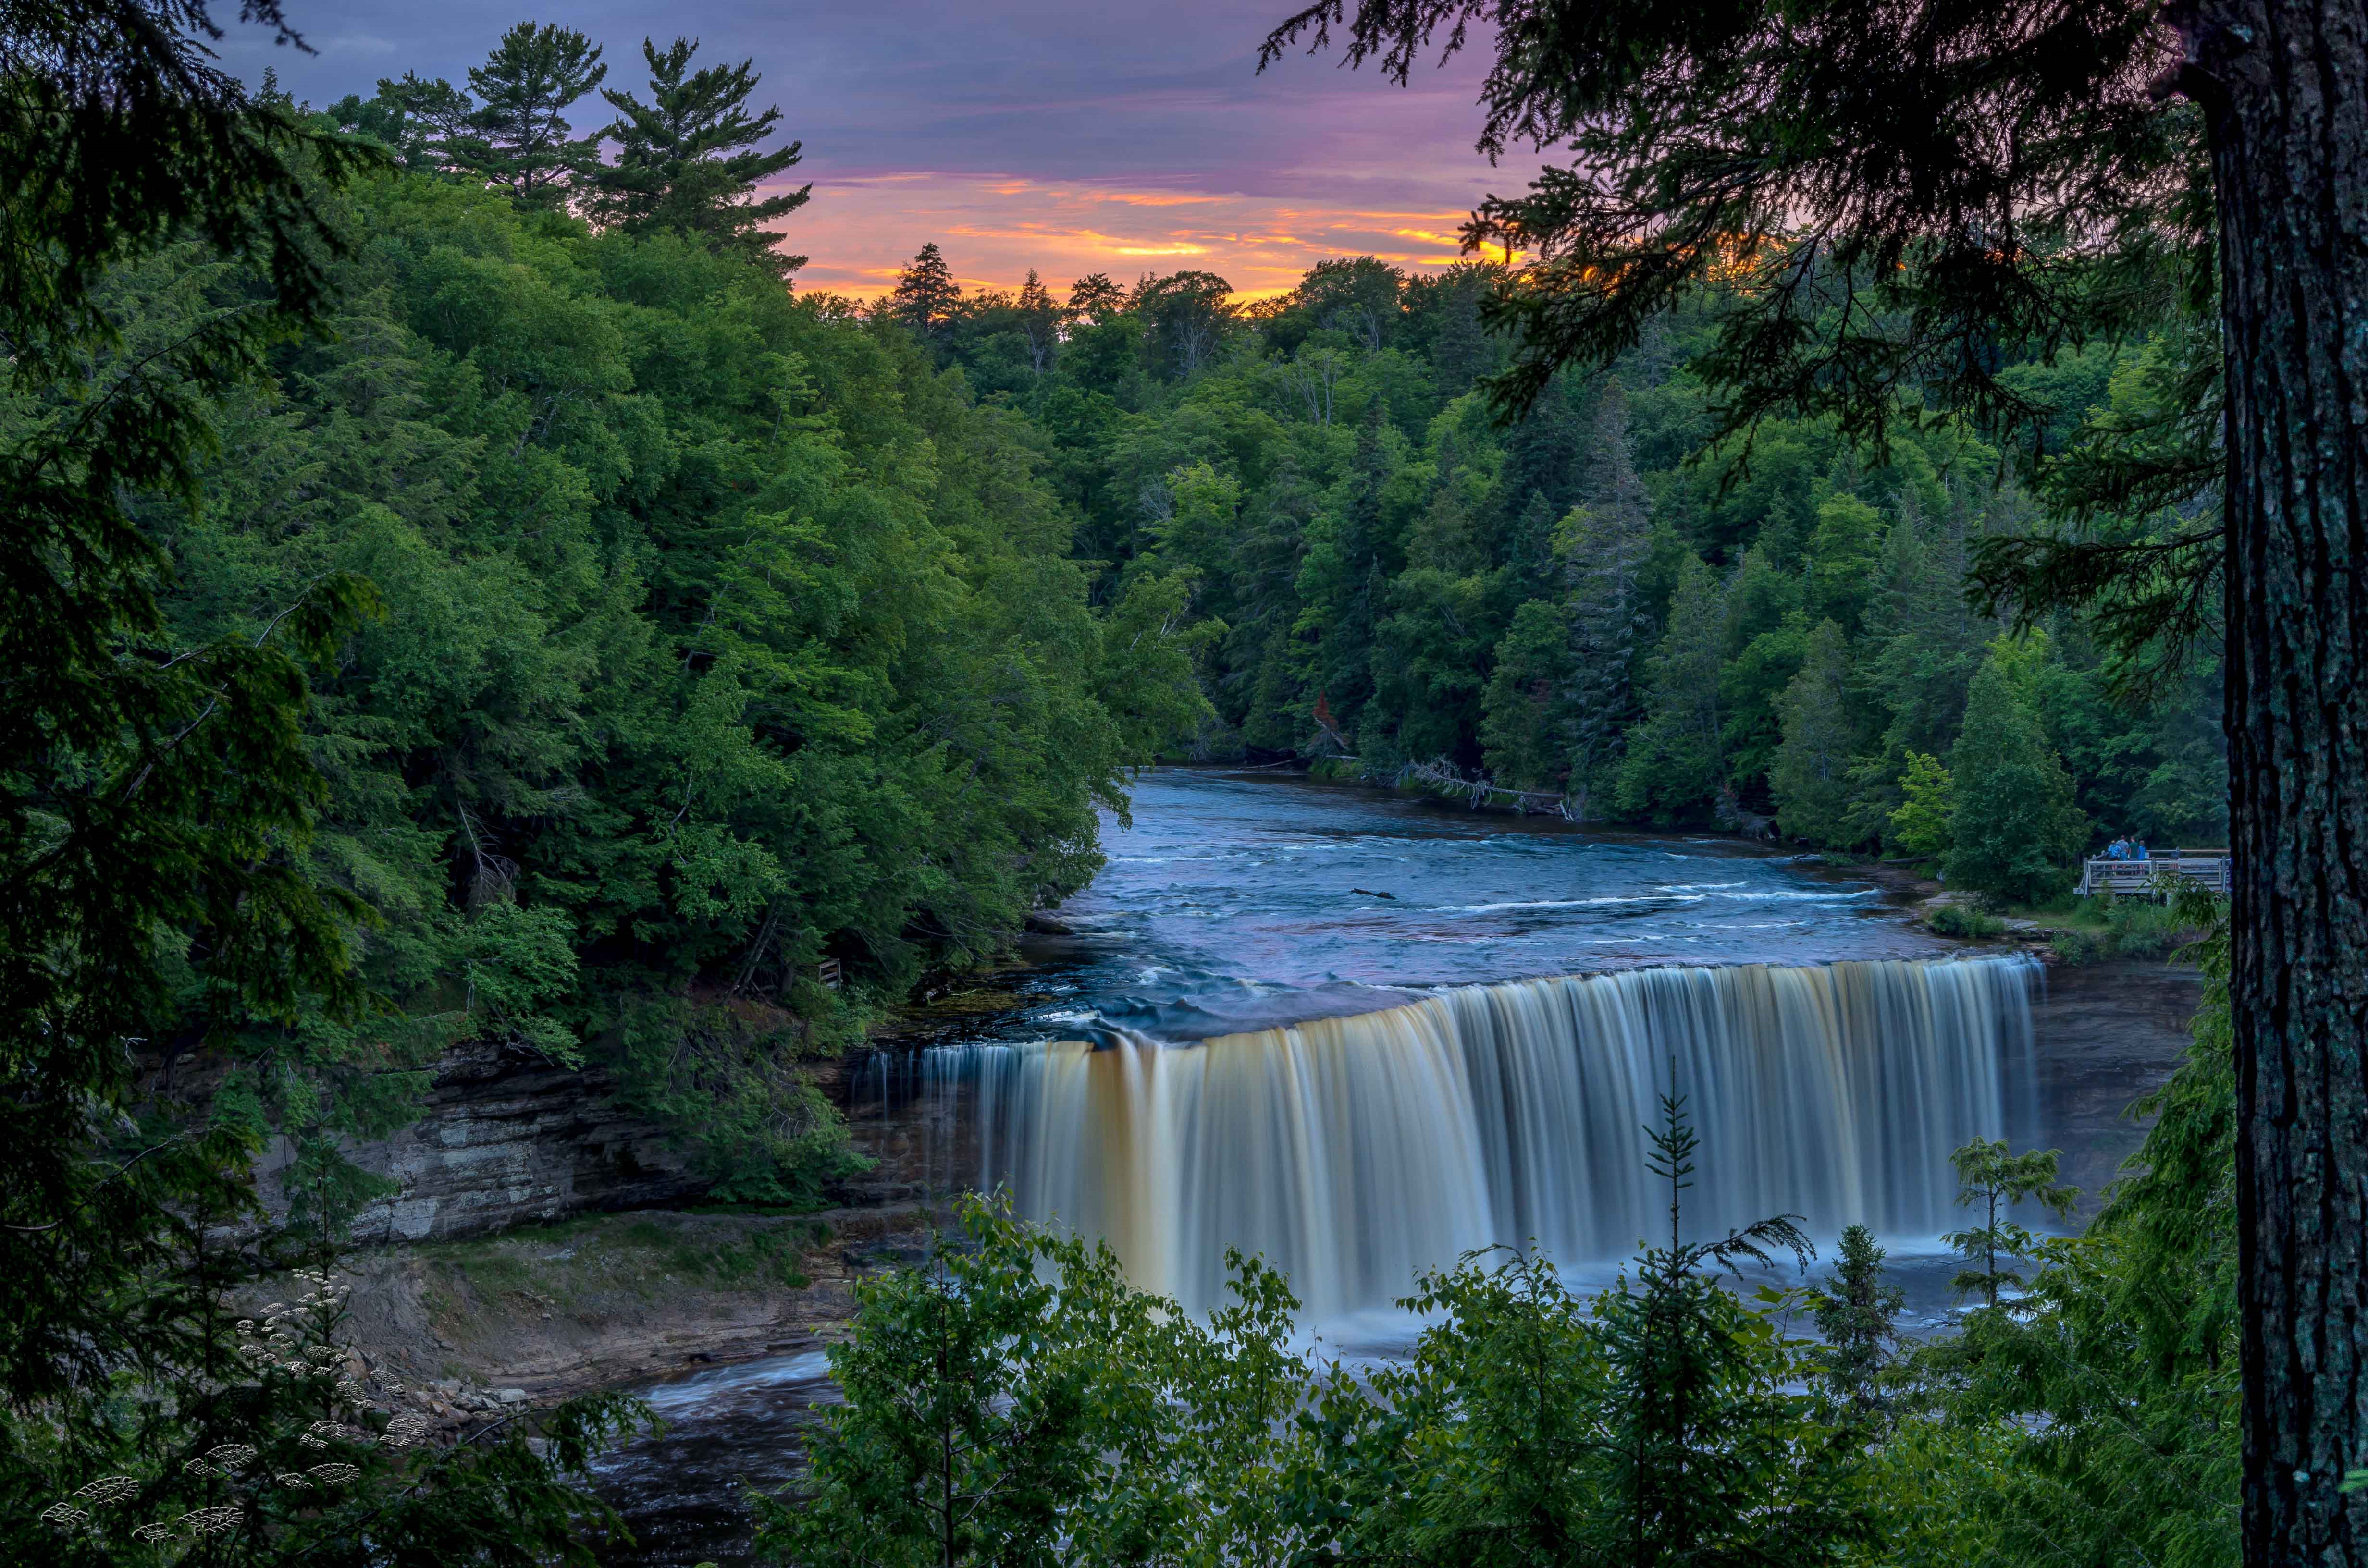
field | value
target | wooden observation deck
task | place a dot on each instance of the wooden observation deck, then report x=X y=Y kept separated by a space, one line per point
x=2206 y=868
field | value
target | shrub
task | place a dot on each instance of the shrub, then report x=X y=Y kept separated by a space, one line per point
x=1959 y=920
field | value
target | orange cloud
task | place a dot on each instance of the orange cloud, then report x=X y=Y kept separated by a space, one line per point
x=992 y=228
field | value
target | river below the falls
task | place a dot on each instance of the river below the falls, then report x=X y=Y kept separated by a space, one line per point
x=1359 y=1034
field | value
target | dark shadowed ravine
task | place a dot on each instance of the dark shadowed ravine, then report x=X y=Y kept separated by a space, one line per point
x=1361 y=1034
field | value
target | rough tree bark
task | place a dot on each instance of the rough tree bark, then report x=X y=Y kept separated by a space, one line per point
x=2285 y=84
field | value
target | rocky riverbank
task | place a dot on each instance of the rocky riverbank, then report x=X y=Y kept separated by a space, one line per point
x=471 y=1331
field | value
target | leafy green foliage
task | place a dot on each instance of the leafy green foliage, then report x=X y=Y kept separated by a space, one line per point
x=2016 y=833
x=1413 y=587
x=1957 y=920
x=2098 y=1419
x=1925 y=824
x=162 y=823
x=1013 y=1398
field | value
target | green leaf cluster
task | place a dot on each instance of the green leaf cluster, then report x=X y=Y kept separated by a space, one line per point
x=1599 y=598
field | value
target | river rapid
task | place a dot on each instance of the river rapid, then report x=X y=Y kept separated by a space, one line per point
x=1359 y=1034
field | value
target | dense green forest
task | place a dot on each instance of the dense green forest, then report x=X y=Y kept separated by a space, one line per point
x=716 y=636
x=460 y=593
x=1593 y=603
x=725 y=637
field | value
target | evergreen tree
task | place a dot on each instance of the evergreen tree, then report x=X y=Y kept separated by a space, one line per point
x=687 y=160
x=927 y=294
x=1673 y=763
x=417 y=120
x=1858 y=1312
x=1843 y=550
x=1659 y=1424
x=1095 y=298
x=1550 y=464
x=1766 y=634
x=1444 y=313
x=1993 y=1180
x=2016 y=833
x=1602 y=549
x=1705 y=1461
x=1039 y=323
x=1810 y=776
x=1924 y=644
x=517 y=138
x=1343 y=588
x=1523 y=725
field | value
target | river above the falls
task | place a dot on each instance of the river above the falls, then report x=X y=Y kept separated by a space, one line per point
x=1255 y=1035
x=1241 y=900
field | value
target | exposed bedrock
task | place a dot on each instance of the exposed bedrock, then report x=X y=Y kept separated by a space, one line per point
x=510 y=1139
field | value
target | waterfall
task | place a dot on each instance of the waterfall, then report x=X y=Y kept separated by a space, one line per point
x=1353 y=1152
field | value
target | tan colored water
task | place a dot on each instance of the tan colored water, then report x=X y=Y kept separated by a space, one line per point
x=1353 y=1152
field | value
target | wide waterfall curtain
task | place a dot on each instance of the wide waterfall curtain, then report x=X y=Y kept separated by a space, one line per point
x=1353 y=1152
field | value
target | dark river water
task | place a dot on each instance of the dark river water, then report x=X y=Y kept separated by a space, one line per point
x=1238 y=901
x=1242 y=902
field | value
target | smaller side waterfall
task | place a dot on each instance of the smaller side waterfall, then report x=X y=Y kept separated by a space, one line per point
x=1353 y=1151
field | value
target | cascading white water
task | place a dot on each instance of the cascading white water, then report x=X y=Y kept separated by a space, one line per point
x=1353 y=1152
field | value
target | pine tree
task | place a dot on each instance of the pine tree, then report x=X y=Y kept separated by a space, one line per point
x=1811 y=774
x=1994 y=1180
x=1601 y=548
x=1039 y=323
x=1523 y=736
x=1095 y=298
x=517 y=137
x=2016 y=833
x=927 y=294
x=1708 y=1462
x=1674 y=761
x=1858 y=1312
x=417 y=120
x=1344 y=587
x=686 y=160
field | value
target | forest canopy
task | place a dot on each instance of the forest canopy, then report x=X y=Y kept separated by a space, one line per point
x=1595 y=603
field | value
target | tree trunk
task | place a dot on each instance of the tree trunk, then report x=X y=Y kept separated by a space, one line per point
x=2285 y=84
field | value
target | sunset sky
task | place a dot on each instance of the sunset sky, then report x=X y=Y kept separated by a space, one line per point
x=1073 y=136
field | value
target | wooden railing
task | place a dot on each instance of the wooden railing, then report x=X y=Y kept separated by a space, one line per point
x=2207 y=867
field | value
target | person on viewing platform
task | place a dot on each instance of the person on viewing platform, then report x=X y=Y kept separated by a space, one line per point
x=2138 y=850
x=2118 y=850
